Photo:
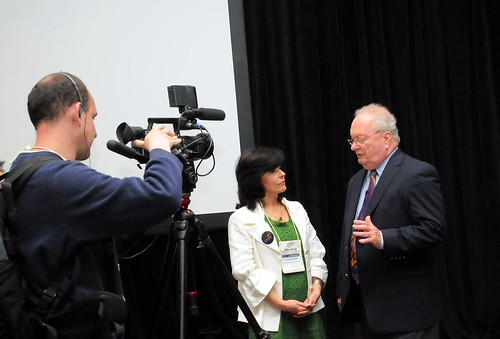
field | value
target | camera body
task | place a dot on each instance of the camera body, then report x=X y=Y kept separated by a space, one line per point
x=191 y=148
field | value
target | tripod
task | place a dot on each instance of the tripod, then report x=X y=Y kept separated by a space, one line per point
x=185 y=220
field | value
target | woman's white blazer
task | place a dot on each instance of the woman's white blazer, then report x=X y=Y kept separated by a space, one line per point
x=257 y=266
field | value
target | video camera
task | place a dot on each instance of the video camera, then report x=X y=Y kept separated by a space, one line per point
x=191 y=148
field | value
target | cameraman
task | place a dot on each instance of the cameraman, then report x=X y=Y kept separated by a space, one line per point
x=68 y=209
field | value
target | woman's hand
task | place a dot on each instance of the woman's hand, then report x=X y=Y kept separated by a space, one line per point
x=314 y=295
x=297 y=308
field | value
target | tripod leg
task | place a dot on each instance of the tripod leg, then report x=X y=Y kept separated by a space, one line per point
x=181 y=228
x=164 y=282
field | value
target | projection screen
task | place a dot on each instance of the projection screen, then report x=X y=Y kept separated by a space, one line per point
x=127 y=53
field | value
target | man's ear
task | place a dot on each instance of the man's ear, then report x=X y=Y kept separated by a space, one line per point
x=73 y=112
x=387 y=138
x=80 y=109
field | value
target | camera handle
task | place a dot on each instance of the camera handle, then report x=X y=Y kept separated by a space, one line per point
x=183 y=221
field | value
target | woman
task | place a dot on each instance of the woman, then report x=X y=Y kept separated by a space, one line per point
x=276 y=255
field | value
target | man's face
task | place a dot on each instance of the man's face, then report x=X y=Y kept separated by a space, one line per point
x=369 y=144
x=89 y=133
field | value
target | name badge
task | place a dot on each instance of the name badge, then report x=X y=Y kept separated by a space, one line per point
x=291 y=255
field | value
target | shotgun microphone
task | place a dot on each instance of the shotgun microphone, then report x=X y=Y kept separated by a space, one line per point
x=204 y=114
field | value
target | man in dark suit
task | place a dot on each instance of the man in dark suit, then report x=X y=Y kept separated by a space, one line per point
x=388 y=276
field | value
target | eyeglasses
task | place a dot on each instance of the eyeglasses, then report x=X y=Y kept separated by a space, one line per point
x=360 y=141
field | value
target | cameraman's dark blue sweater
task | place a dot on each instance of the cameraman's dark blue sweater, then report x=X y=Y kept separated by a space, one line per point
x=67 y=207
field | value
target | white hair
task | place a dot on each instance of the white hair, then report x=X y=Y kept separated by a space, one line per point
x=383 y=119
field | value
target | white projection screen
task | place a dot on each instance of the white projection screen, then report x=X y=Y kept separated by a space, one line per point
x=127 y=53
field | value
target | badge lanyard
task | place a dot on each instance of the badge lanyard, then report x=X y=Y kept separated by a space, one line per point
x=291 y=251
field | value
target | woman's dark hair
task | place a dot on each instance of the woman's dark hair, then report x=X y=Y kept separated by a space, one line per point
x=252 y=165
x=52 y=95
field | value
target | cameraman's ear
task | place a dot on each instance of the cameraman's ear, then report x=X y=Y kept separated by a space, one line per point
x=73 y=113
x=79 y=109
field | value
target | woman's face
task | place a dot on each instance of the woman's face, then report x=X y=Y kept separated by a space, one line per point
x=274 y=181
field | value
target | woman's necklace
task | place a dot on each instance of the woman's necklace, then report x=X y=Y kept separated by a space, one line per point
x=280 y=217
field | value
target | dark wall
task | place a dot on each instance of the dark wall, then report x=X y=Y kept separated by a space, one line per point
x=434 y=64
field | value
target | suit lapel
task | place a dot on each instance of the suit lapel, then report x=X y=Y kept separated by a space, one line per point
x=391 y=169
x=297 y=221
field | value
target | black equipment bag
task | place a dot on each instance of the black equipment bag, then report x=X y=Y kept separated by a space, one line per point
x=15 y=320
x=99 y=315
x=94 y=316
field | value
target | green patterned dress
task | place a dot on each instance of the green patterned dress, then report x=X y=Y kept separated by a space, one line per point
x=294 y=287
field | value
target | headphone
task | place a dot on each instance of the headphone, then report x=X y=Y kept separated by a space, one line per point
x=77 y=92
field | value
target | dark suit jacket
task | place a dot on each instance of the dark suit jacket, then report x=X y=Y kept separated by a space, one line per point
x=399 y=284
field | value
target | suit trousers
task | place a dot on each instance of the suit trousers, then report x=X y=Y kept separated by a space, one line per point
x=429 y=333
x=354 y=313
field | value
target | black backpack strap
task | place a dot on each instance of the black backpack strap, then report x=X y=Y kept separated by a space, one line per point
x=49 y=295
x=13 y=183
x=10 y=188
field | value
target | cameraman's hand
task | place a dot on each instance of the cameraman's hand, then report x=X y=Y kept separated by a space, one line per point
x=158 y=137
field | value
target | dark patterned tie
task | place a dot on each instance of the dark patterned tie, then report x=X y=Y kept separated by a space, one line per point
x=361 y=216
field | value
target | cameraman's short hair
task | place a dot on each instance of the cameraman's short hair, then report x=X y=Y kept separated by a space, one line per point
x=52 y=95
